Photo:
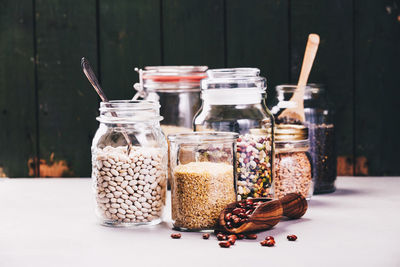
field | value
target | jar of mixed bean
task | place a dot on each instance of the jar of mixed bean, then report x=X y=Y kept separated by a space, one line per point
x=292 y=164
x=234 y=101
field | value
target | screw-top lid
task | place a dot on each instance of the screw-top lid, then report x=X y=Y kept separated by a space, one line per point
x=290 y=132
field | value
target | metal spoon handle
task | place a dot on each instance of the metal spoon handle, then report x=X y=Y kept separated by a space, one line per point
x=88 y=71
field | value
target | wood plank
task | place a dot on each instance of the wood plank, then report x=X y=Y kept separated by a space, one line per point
x=129 y=37
x=333 y=66
x=17 y=90
x=257 y=36
x=377 y=79
x=193 y=32
x=67 y=103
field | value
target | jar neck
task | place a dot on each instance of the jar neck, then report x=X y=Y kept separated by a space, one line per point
x=125 y=112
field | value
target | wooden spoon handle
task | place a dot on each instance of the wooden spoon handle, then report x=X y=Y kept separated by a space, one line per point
x=308 y=60
x=294 y=205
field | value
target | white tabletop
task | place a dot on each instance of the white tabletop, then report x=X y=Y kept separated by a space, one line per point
x=50 y=222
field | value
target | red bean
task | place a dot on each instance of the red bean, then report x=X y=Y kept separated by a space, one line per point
x=268 y=243
x=176 y=235
x=225 y=244
x=232 y=236
x=292 y=237
x=269 y=237
x=237 y=211
x=240 y=236
x=206 y=236
x=221 y=237
x=251 y=236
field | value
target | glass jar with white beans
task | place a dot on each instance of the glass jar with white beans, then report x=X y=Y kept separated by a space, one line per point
x=129 y=164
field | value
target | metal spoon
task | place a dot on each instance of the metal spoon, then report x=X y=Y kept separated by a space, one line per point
x=87 y=69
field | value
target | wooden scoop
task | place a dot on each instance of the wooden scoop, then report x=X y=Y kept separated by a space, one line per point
x=297 y=112
x=268 y=214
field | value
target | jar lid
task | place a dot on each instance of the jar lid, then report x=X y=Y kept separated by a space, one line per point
x=203 y=137
x=290 y=132
x=170 y=78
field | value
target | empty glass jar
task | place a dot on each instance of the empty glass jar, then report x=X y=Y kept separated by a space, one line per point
x=203 y=178
x=177 y=88
x=234 y=101
x=129 y=164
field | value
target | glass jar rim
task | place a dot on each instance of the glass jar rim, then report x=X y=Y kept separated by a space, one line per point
x=170 y=78
x=203 y=137
x=233 y=72
x=234 y=78
x=128 y=111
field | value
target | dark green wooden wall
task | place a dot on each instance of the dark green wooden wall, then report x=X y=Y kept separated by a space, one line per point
x=48 y=109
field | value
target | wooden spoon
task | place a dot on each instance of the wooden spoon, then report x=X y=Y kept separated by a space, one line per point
x=88 y=71
x=268 y=214
x=297 y=112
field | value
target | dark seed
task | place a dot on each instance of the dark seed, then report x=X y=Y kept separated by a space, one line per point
x=206 y=236
x=228 y=216
x=292 y=237
x=176 y=235
x=225 y=244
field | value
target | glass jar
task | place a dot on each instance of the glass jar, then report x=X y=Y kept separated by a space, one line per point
x=292 y=164
x=234 y=101
x=203 y=178
x=319 y=120
x=129 y=164
x=177 y=88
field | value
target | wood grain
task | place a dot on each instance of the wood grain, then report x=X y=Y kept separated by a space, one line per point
x=18 y=142
x=257 y=36
x=130 y=36
x=333 y=66
x=67 y=103
x=377 y=80
x=193 y=32
x=268 y=214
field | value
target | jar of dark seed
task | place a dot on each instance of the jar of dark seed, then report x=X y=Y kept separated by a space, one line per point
x=292 y=164
x=319 y=120
x=234 y=101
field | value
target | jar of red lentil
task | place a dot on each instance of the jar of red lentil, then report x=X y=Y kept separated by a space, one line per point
x=234 y=101
x=292 y=164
